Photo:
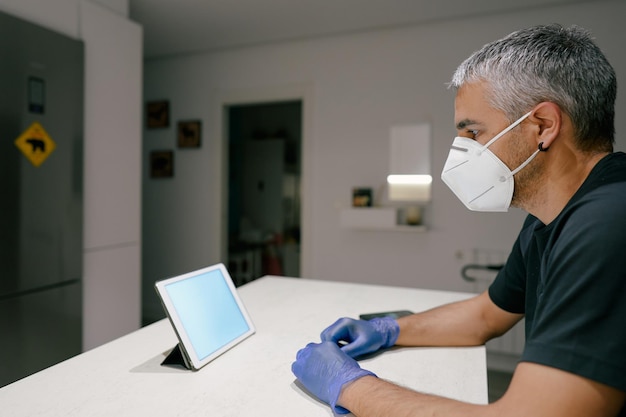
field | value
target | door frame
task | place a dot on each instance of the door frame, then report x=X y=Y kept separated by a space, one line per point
x=227 y=98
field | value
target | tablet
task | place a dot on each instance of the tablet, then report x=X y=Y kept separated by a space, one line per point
x=206 y=313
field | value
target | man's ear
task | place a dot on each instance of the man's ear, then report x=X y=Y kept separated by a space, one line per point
x=548 y=118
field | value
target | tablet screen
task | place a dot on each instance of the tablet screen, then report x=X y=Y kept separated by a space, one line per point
x=206 y=312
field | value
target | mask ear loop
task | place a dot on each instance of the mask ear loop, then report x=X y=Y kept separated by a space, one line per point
x=540 y=148
x=526 y=162
x=505 y=131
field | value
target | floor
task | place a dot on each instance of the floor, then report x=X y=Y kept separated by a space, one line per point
x=497 y=383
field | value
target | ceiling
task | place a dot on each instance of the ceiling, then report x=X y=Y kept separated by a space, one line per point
x=173 y=27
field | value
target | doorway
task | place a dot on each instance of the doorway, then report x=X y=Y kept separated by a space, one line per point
x=264 y=182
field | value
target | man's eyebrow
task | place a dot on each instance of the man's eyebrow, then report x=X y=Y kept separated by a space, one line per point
x=464 y=123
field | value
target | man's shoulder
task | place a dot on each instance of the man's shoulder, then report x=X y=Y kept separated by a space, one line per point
x=606 y=183
x=611 y=168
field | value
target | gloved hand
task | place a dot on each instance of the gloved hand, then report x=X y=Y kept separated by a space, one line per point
x=362 y=336
x=324 y=369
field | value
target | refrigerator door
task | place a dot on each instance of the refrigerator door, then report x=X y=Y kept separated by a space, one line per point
x=39 y=330
x=41 y=189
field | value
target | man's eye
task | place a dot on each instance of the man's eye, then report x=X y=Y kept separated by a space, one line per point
x=473 y=133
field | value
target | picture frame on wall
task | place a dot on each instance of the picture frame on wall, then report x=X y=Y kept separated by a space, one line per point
x=161 y=164
x=189 y=133
x=157 y=114
x=362 y=197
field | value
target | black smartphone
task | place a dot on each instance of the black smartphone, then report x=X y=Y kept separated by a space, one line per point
x=393 y=314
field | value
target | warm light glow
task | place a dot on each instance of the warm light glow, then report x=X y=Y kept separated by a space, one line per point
x=409 y=179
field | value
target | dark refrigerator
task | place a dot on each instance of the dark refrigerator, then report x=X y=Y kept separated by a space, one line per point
x=41 y=197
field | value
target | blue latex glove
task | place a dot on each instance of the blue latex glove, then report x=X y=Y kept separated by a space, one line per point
x=362 y=336
x=324 y=369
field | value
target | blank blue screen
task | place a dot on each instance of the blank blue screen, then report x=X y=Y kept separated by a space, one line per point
x=208 y=311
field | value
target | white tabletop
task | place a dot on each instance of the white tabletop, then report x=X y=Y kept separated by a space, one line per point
x=125 y=378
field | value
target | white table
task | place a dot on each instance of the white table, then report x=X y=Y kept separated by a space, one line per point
x=125 y=378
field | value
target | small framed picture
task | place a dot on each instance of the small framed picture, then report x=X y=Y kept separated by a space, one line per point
x=157 y=114
x=189 y=132
x=161 y=164
x=362 y=197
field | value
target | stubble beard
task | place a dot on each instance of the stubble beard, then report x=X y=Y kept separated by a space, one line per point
x=526 y=181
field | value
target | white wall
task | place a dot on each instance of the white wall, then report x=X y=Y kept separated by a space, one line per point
x=355 y=87
x=112 y=236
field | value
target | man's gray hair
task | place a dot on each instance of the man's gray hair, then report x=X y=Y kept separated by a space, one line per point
x=549 y=63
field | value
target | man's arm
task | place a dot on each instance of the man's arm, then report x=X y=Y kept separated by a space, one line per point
x=469 y=322
x=535 y=390
x=465 y=323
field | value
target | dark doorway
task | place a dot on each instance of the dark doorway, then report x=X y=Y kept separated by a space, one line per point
x=264 y=174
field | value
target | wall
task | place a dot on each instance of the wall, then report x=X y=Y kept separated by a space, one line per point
x=355 y=88
x=113 y=73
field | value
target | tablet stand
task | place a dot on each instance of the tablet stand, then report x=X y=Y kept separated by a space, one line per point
x=176 y=358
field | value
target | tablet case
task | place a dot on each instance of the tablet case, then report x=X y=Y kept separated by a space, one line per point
x=177 y=358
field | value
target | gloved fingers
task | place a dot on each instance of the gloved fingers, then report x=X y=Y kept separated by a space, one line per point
x=299 y=366
x=339 y=330
x=302 y=365
x=312 y=357
x=316 y=364
x=359 y=346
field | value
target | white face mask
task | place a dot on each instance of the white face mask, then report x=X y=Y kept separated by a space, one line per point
x=478 y=178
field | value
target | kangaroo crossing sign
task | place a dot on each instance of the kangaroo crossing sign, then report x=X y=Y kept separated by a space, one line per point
x=35 y=144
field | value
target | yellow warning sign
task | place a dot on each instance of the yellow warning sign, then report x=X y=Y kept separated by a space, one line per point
x=35 y=144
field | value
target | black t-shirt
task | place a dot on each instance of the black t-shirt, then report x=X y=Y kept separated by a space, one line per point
x=569 y=279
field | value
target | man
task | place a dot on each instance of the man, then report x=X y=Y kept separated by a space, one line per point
x=534 y=113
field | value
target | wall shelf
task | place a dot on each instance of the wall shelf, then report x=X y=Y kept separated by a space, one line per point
x=383 y=219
